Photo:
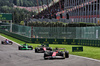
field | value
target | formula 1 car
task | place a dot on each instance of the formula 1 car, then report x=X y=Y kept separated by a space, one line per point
x=25 y=47
x=56 y=54
x=5 y=43
x=42 y=48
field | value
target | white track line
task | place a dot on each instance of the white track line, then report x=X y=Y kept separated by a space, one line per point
x=86 y=58
x=70 y=54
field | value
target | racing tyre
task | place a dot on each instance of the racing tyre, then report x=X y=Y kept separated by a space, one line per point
x=2 y=42
x=19 y=47
x=63 y=55
x=10 y=42
x=50 y=49
x=66 y=54
x=36 y=50
x=45 y=56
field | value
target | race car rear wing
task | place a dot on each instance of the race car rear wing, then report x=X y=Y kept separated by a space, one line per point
x=43 y=45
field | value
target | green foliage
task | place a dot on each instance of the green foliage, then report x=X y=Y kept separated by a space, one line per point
x=47 y=24
x=6 y=3
x=6 y=6
x=29 y=3
x=81 y=24
x=22 y=23
x=13 y=39
x=21 y=14
x=59 y=24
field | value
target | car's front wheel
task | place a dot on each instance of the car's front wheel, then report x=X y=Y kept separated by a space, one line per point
x=2 y=42
x=19 y=47
x=45 y=56
x=36 y=50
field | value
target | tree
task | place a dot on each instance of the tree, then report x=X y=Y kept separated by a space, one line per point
x=22 y=23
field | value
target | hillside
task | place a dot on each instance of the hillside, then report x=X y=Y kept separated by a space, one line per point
x=6 y=6
x=25 y=3
x=29 y=3
x=21 y=9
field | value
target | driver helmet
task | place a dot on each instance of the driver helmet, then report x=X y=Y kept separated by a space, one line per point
x=56 y=49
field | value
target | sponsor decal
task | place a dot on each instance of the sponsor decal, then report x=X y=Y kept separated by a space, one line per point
x=46 y=41
x=54 y=53
x=73 y=42
x=44 y=48
x=37 y=42
x=64 y=42
x=55 y=42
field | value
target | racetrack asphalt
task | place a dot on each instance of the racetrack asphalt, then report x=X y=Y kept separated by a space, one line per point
x=11 y=56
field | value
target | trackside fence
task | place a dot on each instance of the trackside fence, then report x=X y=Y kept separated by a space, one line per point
x=89 y=36
x=91 y=33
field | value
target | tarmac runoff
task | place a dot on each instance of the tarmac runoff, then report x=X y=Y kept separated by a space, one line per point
x=11 y=56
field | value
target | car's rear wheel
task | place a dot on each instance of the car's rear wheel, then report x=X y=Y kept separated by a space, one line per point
x=66 y=54
x=10 y=42
x=50 y=49
x=36 y=50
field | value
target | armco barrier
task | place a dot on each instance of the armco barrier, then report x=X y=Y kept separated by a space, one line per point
x=84 y=42
x=26 y=39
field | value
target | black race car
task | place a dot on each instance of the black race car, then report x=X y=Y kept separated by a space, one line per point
x=25 y=47
x=56 y=54
x=42 y=48
x=7 y=43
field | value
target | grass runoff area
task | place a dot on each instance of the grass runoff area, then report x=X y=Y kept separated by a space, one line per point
x=88 y=51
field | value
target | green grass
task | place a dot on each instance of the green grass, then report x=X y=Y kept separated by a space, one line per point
x=88 y=51
x=13 y=39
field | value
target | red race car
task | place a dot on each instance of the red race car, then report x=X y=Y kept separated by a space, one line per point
x=42 y=48
x=56 y=54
